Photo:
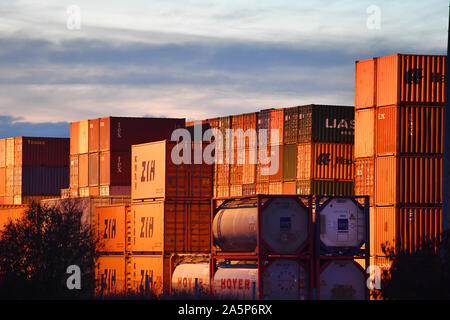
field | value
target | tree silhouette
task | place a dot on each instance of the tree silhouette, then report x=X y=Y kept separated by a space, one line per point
x=420 y=275
x=36 y=250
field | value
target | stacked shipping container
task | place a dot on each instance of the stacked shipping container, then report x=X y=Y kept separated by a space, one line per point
x=399 y=103
x=32 y=169
x=100 y=152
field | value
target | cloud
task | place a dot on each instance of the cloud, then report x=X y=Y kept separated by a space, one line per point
x=15 y=127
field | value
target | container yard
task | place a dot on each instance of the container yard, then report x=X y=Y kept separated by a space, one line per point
x=295 y=206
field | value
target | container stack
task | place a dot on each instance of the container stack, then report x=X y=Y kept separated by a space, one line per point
x=342 y=247
x=100 y=152
x=399 y=104
x=262 y=248
x=32 y=169
x=170 y=213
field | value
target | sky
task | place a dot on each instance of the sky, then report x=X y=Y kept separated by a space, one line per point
x=65 y=61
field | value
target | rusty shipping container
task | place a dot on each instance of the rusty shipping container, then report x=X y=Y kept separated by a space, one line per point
x=364 y=133
x=155 y=174
x=110 y=275
x=169 y=227
x=365 y=178
x=111 y=228
x=119 y=133
x=409 y=130
x=365 y=83
x=326 y=123
x=324 y=161
x=407 y=227
x=325 y=187
x=407 y=180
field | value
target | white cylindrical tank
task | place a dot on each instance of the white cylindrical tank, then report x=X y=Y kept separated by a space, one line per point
x=284 y=225
x=236 y=281
x=184 y=275
x=342 y=224
x=342 y=280
x=285 y=280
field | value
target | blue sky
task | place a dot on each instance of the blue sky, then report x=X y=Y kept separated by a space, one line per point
x=193 y=59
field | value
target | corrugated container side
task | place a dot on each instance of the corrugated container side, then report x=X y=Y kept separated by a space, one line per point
x=277 y=123
x=221 y=191
x=264 y=120
x=74 y=171
x=260 y=177
x=9 y=182
x=324 y=187
x=83 y=137
x=155 y=268
x=276 y=154
x=250 y=123
x=74 y=137
x=94 y=191
x=364 y=178
x=290 y=125
x=17 y=184
x=408 y=180
x=262 y=188
x=364 y=133
x=2 y=153
x=249 y=189
x=94 y=135
x=18 y=151
x=124 y=191
x=289 y=162
x=115 y=168
x=385 y=229
x=46 y=152
x=94 y=163
x=330 y=123
x=2 y=182
x=44 y=180
x=110 y=275
x=365 y=83
x=410 y=130
x=275 y=188
x=236 y=190
x=10 y=152
x=249 y=166
x=83 y=170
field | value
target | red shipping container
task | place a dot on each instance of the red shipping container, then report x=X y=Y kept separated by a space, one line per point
x=409 y=130
x=115 y=168
x=2 y=153
x=41 y=152
x=408 y=180
x=410 y=79
x=118 y=134
x=94 y=135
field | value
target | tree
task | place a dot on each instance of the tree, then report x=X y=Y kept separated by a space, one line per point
x=36 y=250
x=420 y=275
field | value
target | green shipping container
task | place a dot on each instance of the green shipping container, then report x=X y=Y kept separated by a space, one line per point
x=324 y=123
x=325 y=188
x=289 y=162
x=290 y=125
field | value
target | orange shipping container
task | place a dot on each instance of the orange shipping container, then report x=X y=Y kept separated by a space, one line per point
x=236 y=190
x=83 y=170
x=276 y=154
x=249 y=189
x=94 y=135
x=2 y=153
x=276 y=123
x=410 y=79
x=74 y=137
x=94 y=163
x=74 y=171
x=365 y=84
x=409 y=226
x=83 y=137
x=111 y=225
x=2 y=182
x=10 y=152
x=275 y=188
x=364 y=178
x=408 y=180
x=155 y=175
x=262 y=188
x=169 y=227
x=290 y=187
x=9 y=182
x=316 y=161
x=10 y=213
x=110 y=276
x=364 y=133
x=221 y=191
x=409 y=130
